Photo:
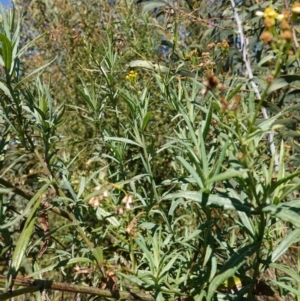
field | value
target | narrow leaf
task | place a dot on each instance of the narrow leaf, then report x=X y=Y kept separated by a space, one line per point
x=152 y=5
x=230 y=268
x=228 y=174
x=6 y=51
x=24 y=238
x=191 y=170
x=146 y=120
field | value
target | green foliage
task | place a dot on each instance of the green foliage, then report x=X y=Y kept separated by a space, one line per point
x=145 y=150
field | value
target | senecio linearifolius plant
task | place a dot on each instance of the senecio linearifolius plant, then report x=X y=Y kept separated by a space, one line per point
x=192 y=183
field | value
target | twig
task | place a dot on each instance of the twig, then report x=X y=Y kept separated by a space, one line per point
x=57 y=286
x=251 y=77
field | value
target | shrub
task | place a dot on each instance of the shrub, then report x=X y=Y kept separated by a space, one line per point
x=159 y=161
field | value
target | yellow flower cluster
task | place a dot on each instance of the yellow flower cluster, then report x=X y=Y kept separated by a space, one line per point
x=270 y=16
x=132 y=76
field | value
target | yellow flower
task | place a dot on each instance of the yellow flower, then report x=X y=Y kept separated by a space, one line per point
x=132 y=76
x=270 y=15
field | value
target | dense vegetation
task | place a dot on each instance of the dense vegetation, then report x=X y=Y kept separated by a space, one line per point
x=150 y=150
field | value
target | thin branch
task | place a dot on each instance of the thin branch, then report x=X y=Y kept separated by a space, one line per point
x=72 y=288
x=251 y=77
x=32 y=285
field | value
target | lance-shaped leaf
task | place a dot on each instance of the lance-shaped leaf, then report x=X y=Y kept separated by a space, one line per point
x=231 y=267
x=24 y=238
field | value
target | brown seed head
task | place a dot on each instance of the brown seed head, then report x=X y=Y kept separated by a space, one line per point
x=286 y=35
x=266 y=37
x=284 y=25
x=270 y=78
x=212 y=80
x=269 y=22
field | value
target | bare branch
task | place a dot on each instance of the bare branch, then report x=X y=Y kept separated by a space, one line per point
x=250 y=76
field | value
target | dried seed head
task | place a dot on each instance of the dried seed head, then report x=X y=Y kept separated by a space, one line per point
x=130 y=229
x=119 y=211
x=285 y=25
x=212 y=80
x=270 y=78
x=266 y=37
x=286 y=35
x=95 y=201
x=296 y=8
x=127 y=201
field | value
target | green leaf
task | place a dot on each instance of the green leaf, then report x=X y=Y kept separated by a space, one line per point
x=228 y=174
x=292 y=238
x=287 y=270
x=86 y=98
x=234 y=92
x=283 y=81
x=169 y=265
x=120 y=139
x=62 y=263
x=204 y=160
x=265 y=59
x=287 y=287
x=149 y=256
x=289 y=123
x=231 y=267
x=287 y=212
x=98 y=255
x=6 y=52
x=4 y=88
x=34 y=72
x=148 y=65
x=191 y=170
x=213 y=201
x=103 y=214
x=146 y=120
x=152 y=5
x=23 y=240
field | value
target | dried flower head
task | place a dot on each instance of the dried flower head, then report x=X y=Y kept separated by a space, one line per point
x=211 y=80
x=210 y=83
x=266 y=37
x=286 y=35
x=119 y=211
x=211 y=46
x=95 y=200
x=225 y=44
x=296 y=8
x=194 y=52
x=285 y=25
x=130 y=229
x=269 y=22
x=286 y=14
x=127 y=201
x=270 y=78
